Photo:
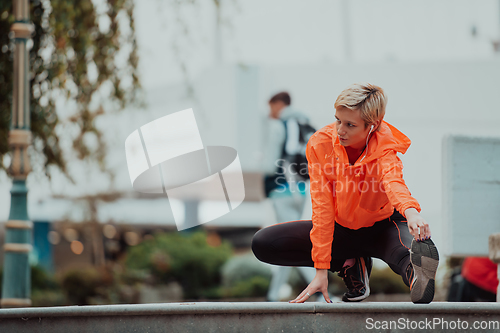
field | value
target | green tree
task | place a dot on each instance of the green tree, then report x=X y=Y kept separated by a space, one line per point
x=83 y=53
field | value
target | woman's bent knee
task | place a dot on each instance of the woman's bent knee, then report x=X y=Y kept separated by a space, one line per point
x=260 y=245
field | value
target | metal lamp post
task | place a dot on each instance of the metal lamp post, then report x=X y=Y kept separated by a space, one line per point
x=16 y=284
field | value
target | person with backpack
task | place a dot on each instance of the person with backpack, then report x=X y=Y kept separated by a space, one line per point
x=287 y=185
x=289 y=131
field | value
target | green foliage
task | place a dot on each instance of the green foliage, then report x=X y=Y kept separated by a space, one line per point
x=255 y=286
x=242 y=268
x=183 y=257
x=74 y=55
x=385 y=281
x=245 y=276
x=80 y=285
x=45 y=289
x=40 y=280
x=48 y=298
x=106 y=285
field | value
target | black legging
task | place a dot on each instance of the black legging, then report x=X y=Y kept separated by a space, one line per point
x=289 y=244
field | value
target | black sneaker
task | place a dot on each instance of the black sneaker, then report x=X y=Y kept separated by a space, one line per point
x=424 y=258
x=356 y=279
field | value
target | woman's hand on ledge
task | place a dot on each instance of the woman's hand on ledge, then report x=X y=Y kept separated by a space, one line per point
x=319 y=283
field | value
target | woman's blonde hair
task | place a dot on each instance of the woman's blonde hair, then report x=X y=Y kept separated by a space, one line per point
x=365 y=97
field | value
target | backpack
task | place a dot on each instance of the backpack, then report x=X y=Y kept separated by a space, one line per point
x=297 y=159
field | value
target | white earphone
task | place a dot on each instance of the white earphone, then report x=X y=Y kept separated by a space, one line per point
x=366 y=145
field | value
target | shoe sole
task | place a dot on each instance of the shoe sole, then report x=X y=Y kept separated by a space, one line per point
x=425 y=259
x=367 y=292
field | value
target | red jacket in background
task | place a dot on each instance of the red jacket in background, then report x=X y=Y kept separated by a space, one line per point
x=481 y=272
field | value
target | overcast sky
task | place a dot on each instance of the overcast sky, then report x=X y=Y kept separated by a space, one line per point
x=311 y=32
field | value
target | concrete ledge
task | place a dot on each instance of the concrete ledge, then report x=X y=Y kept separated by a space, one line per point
x=248 y=317
x=253 y=308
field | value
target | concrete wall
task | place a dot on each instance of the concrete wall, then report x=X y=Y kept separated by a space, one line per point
x=254 y=317
x=471 y=193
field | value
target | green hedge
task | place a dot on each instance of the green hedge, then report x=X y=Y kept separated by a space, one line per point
x=183 y=257
x=245 y=276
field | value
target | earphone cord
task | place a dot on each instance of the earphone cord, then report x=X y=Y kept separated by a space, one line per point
x=366 y=145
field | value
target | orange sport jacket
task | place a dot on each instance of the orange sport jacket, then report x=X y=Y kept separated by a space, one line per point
x=358 y=195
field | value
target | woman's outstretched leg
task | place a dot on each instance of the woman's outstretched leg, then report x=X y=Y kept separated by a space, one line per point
x=417 y=266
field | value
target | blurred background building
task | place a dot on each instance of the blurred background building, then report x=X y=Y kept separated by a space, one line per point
x=439 y=63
